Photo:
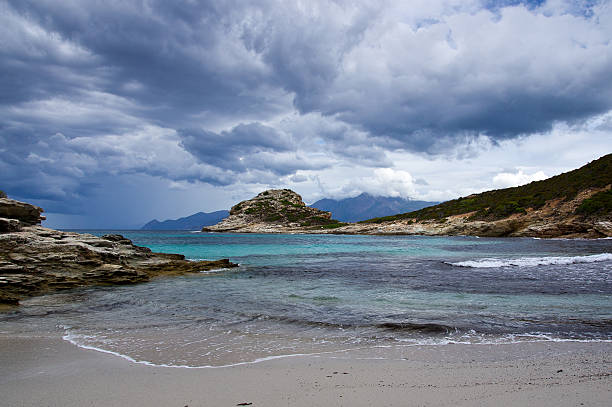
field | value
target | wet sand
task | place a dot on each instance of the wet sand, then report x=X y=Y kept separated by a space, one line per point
x=47 y=371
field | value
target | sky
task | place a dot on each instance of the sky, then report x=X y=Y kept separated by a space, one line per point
x=113 y=113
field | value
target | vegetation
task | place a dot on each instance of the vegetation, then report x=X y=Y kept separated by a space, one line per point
x=288 y=203
x=501 y=203
x=598 y=204
x=273 y=218
x=2 y=194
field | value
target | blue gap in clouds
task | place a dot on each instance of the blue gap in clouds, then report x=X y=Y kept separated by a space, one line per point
x=579 y=8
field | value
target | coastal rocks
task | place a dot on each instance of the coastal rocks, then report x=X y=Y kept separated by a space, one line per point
x=35 y=260
x=273 y=211
x=555 y=219
x=282 y=211
x=9 y=225
x=25 y=213
x=603 y=227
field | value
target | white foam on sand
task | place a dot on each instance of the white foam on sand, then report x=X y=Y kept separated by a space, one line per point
x=75 y=340
x=532 y=261
x=469 y=339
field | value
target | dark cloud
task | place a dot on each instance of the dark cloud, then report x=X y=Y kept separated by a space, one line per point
x=246 y=147
x=378 y=68
x=98 y=89
x=173 y=59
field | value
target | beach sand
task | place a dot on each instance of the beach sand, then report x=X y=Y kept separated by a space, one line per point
x=47 y=371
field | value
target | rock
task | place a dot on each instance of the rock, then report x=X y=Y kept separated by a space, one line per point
x=603 y=227
x=24 y=212
x=273 y=211
x=282 y=211
x=9 y=225
x=36 y=260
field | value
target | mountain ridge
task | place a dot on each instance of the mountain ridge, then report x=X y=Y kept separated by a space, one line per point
x=501 y=203
x=366 y=206
x=191 y=222
x=344 y=210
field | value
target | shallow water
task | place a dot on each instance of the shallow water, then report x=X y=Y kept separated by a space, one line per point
x=316 y=293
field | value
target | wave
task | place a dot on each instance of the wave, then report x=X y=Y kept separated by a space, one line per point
x=470 y=340
x=77 y=340
x=221 y=270
x=532 y=261
x=414 y=327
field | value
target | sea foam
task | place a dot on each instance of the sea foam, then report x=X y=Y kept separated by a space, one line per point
x=532 y=261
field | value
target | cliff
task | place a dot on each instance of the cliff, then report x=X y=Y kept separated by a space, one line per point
x=35 y=260
x=274 y=211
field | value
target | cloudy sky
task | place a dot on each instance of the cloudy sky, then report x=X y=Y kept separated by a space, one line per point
x=116 y=112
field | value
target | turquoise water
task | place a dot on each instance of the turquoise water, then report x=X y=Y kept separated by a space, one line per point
x=315 y=293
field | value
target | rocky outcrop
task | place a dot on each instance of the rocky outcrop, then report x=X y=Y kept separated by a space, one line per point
x=274 y=211
x=36 y=260
x=14 y=214
x=282 y=211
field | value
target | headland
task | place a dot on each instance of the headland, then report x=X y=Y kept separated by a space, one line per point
x=575 y=204
x=35 y=260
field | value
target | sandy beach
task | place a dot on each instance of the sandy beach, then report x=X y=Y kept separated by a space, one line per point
x=48 y=371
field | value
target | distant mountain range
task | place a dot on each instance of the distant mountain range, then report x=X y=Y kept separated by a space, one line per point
x=362 y=207
x=366 y=206
x=193 y=222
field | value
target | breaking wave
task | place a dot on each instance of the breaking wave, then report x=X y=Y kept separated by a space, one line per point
x=532 y=261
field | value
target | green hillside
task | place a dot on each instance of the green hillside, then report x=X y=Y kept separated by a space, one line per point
x=500 y=203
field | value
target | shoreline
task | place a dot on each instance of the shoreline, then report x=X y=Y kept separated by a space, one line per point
x=44 y=369
x=376 y=349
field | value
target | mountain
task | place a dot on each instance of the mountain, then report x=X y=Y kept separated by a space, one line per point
x=577 y=203
x=595 y=177
x=274 y=211
x=366 y=206
x=193 y=222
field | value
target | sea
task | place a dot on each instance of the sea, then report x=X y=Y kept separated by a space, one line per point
x=302 y=294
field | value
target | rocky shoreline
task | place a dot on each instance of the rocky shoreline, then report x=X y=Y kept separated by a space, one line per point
x=556 y=219
x=272 y=211
x=35 y=260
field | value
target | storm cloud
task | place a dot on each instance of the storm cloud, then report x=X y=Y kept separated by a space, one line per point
x=262 y=92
